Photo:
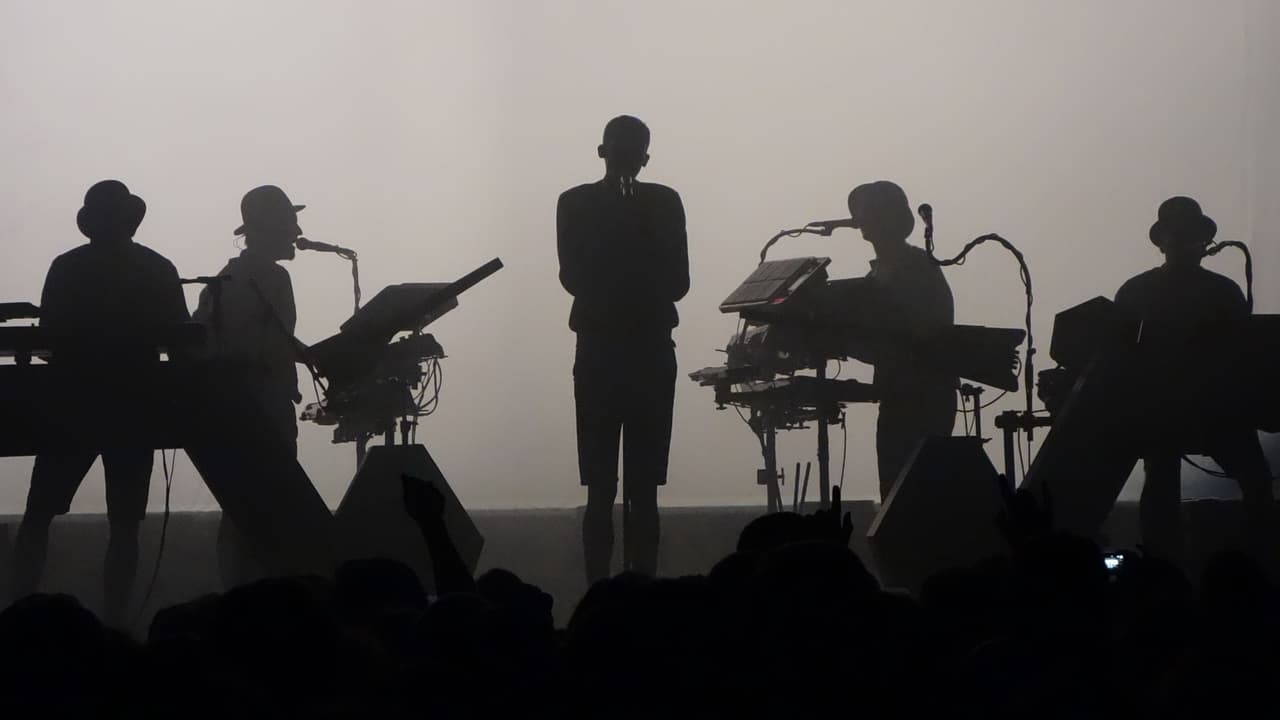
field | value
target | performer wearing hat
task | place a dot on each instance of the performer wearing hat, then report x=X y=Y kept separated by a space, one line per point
x=906 y=293
x=251 y=318
x=94 y=295
x=624 y=258
x=1183 y=309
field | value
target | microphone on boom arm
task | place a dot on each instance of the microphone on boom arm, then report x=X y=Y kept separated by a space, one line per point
x=306 y=244
x=925 y=211
x=826 y=227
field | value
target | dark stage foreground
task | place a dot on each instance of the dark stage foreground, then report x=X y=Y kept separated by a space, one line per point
x=542 y=546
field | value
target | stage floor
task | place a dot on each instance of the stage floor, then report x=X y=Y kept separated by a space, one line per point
x=542 y=546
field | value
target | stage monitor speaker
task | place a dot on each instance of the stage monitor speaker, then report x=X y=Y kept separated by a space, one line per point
x=1092 y=447
x=940 y=514
x=371 y=520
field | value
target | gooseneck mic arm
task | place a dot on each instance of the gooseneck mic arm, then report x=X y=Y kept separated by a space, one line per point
x=821 y=228
x=926 y=214
x=1218 y=247
x=303 y=243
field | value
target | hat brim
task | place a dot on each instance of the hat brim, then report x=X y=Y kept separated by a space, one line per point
x=1208 y=228
x=240 y=230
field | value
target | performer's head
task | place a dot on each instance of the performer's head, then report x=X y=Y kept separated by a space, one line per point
x=1182 y=231
x=270 y=222
x=881 y=211
x=625 y=148
x=110 y=212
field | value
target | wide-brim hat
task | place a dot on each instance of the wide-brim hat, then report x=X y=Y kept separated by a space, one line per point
x=110 y=210
x=267 y=208
x=1181 y=218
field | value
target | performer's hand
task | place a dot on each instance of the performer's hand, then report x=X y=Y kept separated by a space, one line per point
x=830 y=525
x=422 y=501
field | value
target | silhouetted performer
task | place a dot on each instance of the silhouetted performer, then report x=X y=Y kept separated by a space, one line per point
x=906 y=294
x=96 y=294
x=1182 y=306
x=251 y=318
x=624 y=258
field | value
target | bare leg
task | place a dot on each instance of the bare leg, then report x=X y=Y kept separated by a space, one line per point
x=1160 y=508
x=644 y=527
x=29 y=550
x=597 y=530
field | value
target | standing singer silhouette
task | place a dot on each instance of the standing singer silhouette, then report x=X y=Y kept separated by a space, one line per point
x=624 y=258
x=252 y=322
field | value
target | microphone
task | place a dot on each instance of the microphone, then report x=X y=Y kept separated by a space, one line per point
x=926 y=213
x=826 y=227
x=305 y=244
x=204 y=280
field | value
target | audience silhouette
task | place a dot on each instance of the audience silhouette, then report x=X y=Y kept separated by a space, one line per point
x=791 y=624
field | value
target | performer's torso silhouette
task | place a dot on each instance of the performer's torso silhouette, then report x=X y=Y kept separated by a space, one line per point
x=623 y=256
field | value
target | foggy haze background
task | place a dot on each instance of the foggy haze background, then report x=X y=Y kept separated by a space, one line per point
x=434 y=136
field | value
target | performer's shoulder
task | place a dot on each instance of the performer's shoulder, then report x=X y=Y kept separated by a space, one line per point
x=660 y=191
x=577 y=192
x=1140 y=281
x=148 y=255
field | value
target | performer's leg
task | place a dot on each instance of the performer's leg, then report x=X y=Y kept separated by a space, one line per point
x=1240 y=455
x=54 y=481
x=597 y=530
x=1160 y=507
x=644 y=527
x=128 y=478
x=904 y=423
x=599 y=427
x=237 y=563
x=646 y=441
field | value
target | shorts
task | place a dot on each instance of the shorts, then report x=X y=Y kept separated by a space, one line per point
x=57 y=476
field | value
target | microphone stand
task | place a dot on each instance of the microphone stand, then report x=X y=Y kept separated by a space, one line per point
x=1010 y=421
x=214 y=283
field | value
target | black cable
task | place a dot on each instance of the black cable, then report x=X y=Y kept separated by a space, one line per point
x=164 y=529
x=844 y=448
x=1213 y=473
x=994 y=400
x=1022 y=463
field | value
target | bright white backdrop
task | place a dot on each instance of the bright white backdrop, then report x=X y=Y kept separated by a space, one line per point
x=434 y=136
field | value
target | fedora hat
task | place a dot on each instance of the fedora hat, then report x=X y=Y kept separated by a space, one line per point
x=1180 y=218
x=267 y=208
x=110 y=211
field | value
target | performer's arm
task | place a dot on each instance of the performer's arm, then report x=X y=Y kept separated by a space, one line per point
x=54 y=312
x=171 y=301
x=577 y=275
x=673 y=245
